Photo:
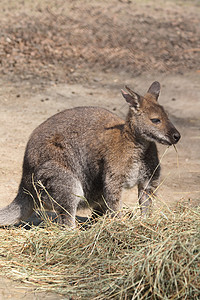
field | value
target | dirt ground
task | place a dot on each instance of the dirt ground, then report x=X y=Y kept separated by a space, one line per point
x=61 y=54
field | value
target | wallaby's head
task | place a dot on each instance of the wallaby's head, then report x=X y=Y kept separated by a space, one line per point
x=148 y=119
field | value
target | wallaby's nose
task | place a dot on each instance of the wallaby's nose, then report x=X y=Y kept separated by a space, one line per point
x=176 y=137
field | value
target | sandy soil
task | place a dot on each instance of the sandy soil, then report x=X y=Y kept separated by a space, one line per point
x=55 y=56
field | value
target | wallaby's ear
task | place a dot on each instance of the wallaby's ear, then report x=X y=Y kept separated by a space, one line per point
x=154 y=89
x=133 y=98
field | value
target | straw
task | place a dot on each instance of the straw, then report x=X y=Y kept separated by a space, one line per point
x=115 y=258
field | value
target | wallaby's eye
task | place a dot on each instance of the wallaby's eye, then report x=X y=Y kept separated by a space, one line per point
x=155 y=121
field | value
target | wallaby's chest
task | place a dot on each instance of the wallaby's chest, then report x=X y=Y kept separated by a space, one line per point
x=135 y=173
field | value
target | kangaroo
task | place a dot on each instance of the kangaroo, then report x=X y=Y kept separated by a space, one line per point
x=90 y=152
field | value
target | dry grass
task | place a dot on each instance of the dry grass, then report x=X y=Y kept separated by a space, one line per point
x=128 y=258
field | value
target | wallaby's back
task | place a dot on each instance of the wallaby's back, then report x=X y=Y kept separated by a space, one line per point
x=74 y=134
x=74 y=126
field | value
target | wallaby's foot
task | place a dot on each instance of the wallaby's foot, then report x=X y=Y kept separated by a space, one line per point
x=110 y=213
x=67 y=220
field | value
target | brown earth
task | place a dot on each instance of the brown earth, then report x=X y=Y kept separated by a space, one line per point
x=60 y=54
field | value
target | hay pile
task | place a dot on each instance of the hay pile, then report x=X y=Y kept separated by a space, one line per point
x=130 y=258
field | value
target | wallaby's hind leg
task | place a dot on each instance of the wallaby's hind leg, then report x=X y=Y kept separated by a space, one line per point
x=65 y=190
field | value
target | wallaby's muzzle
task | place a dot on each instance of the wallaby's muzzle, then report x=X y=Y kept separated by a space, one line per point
x=174 y=136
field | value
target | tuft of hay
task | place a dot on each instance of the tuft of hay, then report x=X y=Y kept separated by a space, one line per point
x=127 y=258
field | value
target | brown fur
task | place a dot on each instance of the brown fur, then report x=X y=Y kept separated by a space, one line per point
x=90 y=152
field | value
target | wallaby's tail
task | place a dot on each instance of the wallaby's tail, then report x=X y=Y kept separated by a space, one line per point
x=20 y=209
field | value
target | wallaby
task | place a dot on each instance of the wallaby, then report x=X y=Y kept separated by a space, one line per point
x=90 y=152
